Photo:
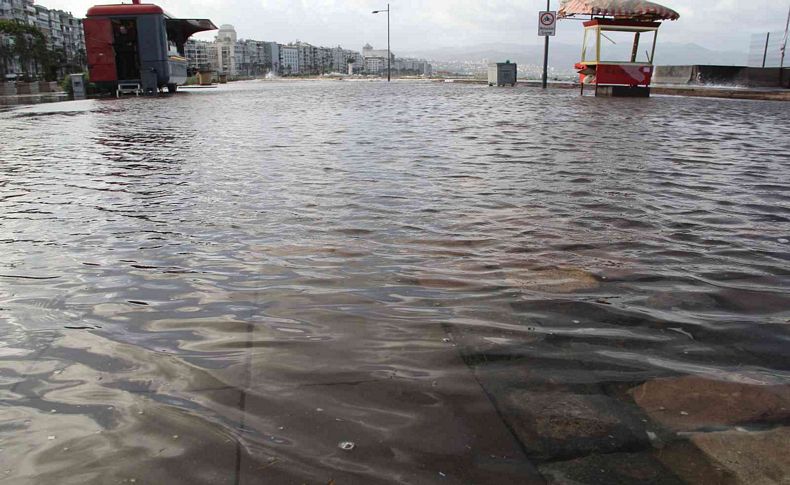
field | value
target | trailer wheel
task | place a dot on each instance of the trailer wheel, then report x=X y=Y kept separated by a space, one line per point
x=172 y=88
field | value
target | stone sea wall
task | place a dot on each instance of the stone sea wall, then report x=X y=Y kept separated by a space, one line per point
x=752 y=77
x=39 y=87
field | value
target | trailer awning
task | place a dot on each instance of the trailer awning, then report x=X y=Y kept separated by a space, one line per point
x=190 y=26
x=179 y=30
x=627 y=9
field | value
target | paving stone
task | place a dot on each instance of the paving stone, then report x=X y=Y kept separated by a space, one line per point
x=692 y=465
x=693 y=403
x=554 y=280
x=554 y=425
x=611 y=469
x=733 y=458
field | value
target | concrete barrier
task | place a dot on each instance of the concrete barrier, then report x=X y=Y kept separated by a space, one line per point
x=735 y=76
x=27 y=88
x=7 y=89
x=48 y=87
x=768 y=77
x=719 y=75
x=673 y=74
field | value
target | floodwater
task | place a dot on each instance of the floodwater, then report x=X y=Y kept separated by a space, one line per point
x=470 y=284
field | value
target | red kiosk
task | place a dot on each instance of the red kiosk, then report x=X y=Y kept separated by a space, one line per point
x=138 y=48
x=619 y=43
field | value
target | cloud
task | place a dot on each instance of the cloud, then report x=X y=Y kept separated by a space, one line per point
x=425 y=24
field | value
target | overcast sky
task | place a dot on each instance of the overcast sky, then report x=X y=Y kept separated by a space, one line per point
x=426 y=24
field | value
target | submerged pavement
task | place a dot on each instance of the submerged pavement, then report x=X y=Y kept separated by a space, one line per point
x=407 y=283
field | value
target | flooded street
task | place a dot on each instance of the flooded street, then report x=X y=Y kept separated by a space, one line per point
x=470 y=284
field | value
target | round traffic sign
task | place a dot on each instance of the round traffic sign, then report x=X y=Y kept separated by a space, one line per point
x=547 y=19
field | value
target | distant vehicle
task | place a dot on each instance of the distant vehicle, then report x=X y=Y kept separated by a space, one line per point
x=138 y=48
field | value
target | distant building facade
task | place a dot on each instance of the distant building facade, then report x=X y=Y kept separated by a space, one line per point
x=225 y=51
x=229 y=55
x=198 y=55
x=289 y=60
x=376 y=62
x=63 y=31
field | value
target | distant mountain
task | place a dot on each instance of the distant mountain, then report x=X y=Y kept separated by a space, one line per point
x=562 y=57
x=683 y=54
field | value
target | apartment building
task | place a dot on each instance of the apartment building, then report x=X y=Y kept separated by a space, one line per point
x=289 y=60
x=63 y=31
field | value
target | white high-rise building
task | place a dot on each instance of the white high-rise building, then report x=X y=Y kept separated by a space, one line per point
x=289 y=59
x=375 y=60
x=226 y=50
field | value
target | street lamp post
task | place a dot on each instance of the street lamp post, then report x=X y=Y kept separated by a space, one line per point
x=389 y=52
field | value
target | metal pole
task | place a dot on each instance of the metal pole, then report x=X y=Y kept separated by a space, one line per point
x=784 y=42
x=784 y=48
x=389 y=52
x=765 y=51
x=546 y=54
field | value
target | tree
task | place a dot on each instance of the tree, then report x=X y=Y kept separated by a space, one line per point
x=6 y=56
x=28 y=46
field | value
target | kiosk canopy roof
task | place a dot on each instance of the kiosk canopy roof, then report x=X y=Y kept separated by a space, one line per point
x=630 y=9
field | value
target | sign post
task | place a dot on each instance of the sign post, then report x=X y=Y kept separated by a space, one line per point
x=547 y=26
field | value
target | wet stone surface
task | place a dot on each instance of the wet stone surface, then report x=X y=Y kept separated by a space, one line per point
x=471 y=285
x=693 y=403
x=613 y=468
x=557 y=425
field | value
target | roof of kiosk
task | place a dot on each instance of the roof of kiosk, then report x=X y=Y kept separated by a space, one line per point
x=185 y=27
x=628 y=9
x=124 y=9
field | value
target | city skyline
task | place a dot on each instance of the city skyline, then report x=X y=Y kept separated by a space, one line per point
x=227 y=54
x=426 y=24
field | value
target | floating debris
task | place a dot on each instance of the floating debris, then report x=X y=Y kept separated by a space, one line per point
x=784 y=241
x=51 y=437
x=346 y=445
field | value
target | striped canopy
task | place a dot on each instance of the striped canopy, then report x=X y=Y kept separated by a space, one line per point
x=632 y=9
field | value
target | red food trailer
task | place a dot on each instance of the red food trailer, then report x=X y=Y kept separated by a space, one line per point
x=619 y=43
x=138 y=47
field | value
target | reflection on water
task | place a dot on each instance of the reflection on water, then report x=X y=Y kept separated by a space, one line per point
x=472 y=285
